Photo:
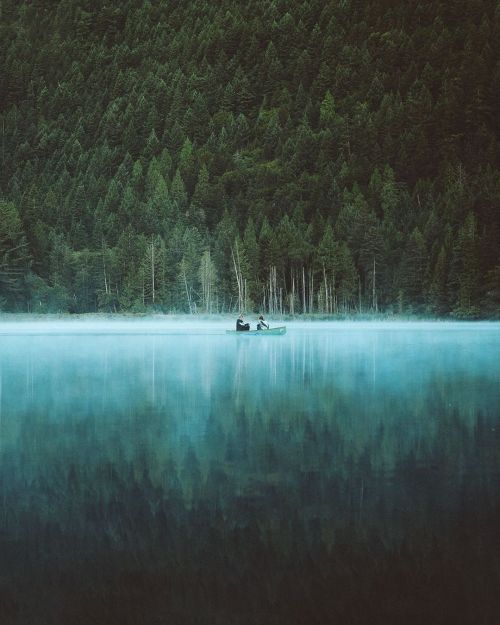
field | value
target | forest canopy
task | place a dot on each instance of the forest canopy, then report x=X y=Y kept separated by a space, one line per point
x=268 y=155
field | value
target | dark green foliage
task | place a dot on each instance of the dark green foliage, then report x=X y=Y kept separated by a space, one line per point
x=14 y=256
x=381 y=118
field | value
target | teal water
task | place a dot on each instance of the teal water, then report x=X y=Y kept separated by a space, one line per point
x=341 y=473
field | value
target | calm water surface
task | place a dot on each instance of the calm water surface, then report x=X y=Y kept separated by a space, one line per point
x=342 y=473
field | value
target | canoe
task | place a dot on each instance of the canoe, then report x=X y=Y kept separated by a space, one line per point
x=271 y=332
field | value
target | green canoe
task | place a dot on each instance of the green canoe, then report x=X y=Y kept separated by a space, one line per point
x=271 y=331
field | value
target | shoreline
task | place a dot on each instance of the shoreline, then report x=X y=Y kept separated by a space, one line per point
x=204 y=317
x=216 y=325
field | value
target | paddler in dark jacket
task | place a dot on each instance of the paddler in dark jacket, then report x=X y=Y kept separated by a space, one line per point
x=240 y=326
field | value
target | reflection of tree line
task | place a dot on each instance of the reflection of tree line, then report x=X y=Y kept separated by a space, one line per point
x=271 y=521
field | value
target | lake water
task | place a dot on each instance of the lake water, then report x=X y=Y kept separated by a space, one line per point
x=342 y=473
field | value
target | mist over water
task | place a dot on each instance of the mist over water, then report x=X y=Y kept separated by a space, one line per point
x=141 y=457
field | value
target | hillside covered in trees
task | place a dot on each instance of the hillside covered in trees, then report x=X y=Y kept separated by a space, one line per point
x=269 y=154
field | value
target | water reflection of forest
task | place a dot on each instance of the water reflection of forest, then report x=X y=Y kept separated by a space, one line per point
x=261 y=518
x=322 y=478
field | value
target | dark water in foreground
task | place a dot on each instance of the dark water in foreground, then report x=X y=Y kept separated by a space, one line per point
x=341 y=475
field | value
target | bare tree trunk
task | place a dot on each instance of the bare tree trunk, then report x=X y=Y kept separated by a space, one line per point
x=304 y=302
x=273 y=290
x=207 y=279
x=188 y=294
x=104 y=268
x=334 y=291
x=271 y=300
x=206 y=290
x=239 y=278
x=327 y=308
x=311 y=291
x=153 y=270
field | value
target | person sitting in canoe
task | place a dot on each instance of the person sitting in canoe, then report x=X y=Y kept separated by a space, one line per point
x=241 y=326
x=262 y=324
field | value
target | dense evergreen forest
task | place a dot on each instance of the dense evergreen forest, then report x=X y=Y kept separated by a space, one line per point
x=262 y=155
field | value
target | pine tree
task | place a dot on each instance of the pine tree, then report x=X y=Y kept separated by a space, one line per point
x=208 y=282
x=464 y=275
x=14 y=256
x=188 y=269
x=162 y=117
x=328 y=260
x=201 y=205
x=413 y=272
x=438 y=292
x=153 y=271
x=178 y=192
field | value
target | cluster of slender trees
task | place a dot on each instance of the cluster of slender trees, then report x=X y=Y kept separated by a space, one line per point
x=284 y=156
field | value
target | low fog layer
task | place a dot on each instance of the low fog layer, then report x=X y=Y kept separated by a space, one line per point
x=215 y=325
